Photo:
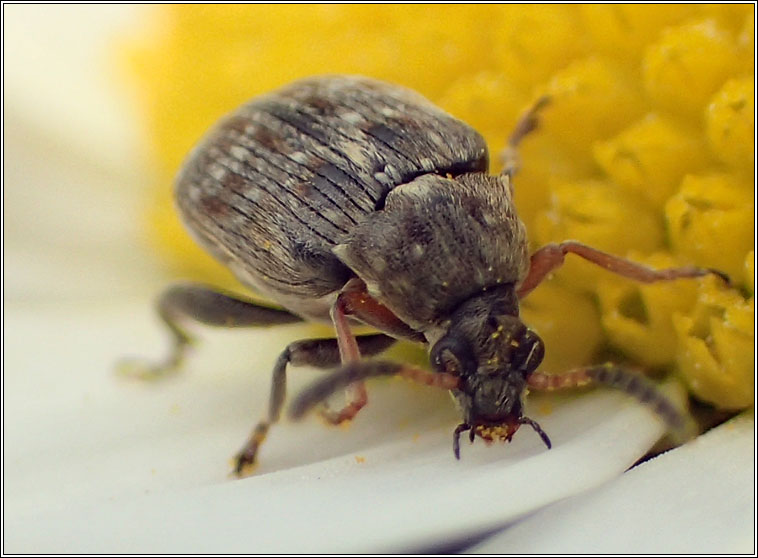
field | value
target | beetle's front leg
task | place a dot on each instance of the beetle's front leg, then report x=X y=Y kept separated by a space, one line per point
x=191 y=302
x=319 y=353
x=551 y=256
x=354 y=300
x=349 y=352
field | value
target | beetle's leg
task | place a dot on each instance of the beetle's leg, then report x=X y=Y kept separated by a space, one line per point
x=551 y=256
x=320 y=353
x=202 y=304
x=349 y=352
x=527 y=123
x=359 y=371
x=635 y=384
x=354 y=300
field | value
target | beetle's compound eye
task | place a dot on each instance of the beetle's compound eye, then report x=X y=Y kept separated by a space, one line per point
x=525 y=349
x=530 y=352
x=452 y=355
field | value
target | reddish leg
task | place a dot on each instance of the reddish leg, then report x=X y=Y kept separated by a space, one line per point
x=551 y=256
x=349 y=353
x=632 y=383
x=356 y=301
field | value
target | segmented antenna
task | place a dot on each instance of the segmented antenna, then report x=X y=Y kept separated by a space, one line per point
x=352 y=372
x=679 y=423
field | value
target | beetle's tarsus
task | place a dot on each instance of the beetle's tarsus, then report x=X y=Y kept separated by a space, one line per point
x=721 y=275
x=244 y=466
x=142 y=369
x=343 y=416
x=246 y=460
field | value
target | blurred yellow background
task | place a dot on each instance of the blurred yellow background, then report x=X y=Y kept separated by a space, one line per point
x=646 y=150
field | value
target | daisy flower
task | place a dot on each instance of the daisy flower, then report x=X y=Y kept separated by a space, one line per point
x=645 y=151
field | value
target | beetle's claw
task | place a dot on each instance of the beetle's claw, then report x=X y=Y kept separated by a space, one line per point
x=244 y=464
x=245 y=461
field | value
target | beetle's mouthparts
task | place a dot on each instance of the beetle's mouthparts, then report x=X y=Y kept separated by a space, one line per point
x=489 y=433
x=501 y=432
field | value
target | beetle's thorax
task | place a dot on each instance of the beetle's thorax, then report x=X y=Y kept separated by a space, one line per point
x=437 y=242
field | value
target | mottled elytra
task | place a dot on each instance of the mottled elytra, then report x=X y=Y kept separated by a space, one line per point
x=346 y=199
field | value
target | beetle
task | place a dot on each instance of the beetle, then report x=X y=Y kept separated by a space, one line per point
x=346 y=199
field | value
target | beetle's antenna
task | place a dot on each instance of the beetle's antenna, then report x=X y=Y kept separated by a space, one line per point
x=635 y=384
x=456 y=438
x=537 y=428
x=322 y=389
x=678 y=421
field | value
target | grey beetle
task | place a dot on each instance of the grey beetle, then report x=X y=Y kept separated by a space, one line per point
x=344 y=198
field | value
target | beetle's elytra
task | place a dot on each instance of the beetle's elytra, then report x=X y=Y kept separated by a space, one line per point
x=344 y=198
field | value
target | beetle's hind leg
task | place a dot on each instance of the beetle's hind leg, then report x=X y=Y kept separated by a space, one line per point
x=202 y=304
x=319 y=353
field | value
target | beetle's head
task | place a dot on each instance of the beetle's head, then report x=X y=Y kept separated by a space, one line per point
x=493 y=353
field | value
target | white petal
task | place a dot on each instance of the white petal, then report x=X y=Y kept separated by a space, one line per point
x=94 y=464
x=697 y=499
x=74 y=188
x=62 y=75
